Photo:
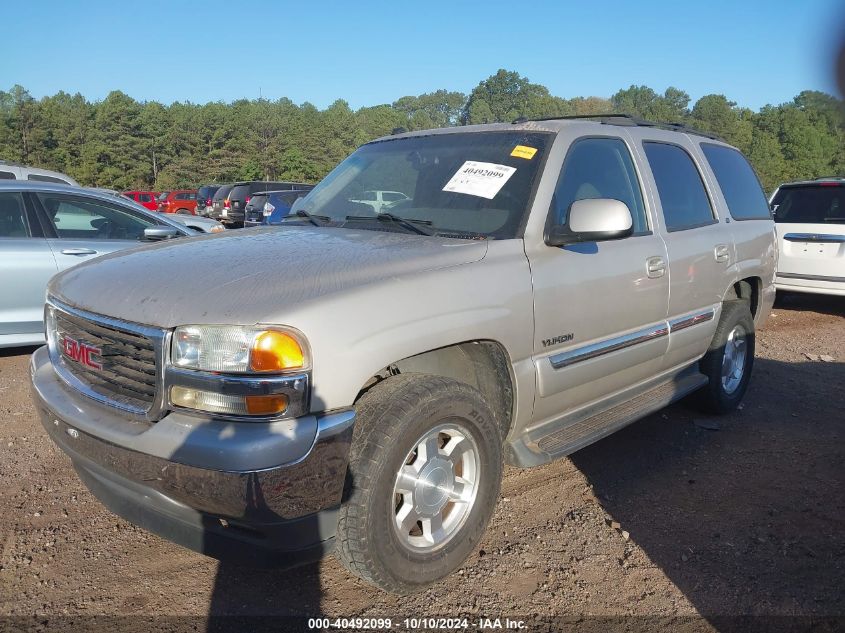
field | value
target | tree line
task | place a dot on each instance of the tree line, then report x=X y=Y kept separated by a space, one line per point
x=123 y=144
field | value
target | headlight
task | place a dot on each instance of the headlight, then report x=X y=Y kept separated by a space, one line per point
x=239 y=371
x=237 y=350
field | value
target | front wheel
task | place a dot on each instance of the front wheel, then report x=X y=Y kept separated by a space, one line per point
x=425 y=471
x=729 y=360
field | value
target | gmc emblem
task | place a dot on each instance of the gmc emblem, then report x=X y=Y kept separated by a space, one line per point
x=81 y=352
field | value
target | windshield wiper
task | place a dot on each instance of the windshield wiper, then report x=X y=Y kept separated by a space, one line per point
x=406 y=223
x=316 y=220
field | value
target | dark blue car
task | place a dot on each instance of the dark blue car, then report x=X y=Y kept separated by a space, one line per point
x=269 y=207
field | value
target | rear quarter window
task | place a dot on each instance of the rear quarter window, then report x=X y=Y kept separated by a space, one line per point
x=43 y=178
x=738 y=182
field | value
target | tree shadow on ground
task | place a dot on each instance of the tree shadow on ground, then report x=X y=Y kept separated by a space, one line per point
x=746 y=519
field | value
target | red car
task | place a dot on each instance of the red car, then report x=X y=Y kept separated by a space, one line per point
x=147 y=199
x=182 y=201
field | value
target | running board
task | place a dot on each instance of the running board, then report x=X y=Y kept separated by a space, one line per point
x=578 y=431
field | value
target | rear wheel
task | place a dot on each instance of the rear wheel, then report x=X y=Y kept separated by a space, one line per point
x=183 y=212
x=729 y=360
x=425 y=470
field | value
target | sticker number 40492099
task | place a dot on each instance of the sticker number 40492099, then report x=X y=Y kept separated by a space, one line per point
x=480 y=179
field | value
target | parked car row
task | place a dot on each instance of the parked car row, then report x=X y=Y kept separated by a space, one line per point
x=229 y=202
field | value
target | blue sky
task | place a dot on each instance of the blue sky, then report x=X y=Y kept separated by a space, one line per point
x=369 y=52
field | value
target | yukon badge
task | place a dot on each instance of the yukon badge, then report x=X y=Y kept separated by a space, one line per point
x=80 y=352
x=557 y=340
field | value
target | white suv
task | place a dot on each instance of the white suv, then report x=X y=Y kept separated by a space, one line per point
x=17 y=171
x=810 y=221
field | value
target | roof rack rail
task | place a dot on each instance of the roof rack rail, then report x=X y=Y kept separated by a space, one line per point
x=616 y=118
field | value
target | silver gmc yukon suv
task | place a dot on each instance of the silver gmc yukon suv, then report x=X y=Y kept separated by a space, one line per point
x=355 y=379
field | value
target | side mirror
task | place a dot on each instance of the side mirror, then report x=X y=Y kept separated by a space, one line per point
x=593 y=220
x=158 y=233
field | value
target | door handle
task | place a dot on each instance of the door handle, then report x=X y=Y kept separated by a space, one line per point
x=78 y=251
x=655 y=267
x=722 y=253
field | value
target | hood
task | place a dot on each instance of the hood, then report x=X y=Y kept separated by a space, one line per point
x=245 y=277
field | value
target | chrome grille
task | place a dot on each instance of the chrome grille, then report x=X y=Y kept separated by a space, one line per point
x=122 y=370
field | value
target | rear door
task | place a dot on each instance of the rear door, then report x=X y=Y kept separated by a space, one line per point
x=82 y=227
x=810 y=222
x=26 y=265
x=700 y=248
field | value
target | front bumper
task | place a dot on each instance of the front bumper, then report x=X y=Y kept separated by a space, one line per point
x=279 y=515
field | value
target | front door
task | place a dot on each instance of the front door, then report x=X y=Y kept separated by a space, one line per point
x=26 y=265
x=600 y=307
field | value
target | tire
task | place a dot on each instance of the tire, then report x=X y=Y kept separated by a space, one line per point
x=183 y=212
x=393 y=418
x=726 y=389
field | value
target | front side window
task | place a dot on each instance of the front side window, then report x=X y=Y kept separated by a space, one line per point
x=12 y=216
x=462 y=184
x=83 y=218
x=810 y=204
x=738 y=182
x=599 y=168
x=680 y=187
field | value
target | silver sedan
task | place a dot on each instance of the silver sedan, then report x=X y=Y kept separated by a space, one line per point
x=46 y=228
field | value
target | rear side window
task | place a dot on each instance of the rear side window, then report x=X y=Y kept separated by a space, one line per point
x=12 y=217
x=599 y=168
x=145 y=197
x=679 y=185
x=290 y=198
x=222 y=193
x=738 y=182
x=239 y=193
x=43 y=178
x=810 y=204
x=7 y=175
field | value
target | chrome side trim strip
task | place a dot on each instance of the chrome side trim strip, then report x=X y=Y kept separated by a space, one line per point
x=812 y=277
x=813 y=237
x=682 y=323
x=570 y=357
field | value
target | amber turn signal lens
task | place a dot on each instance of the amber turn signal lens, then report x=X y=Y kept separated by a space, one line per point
x=266 y=405
x=275 y=351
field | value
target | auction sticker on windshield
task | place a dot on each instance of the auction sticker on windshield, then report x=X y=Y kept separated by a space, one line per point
x=475 y=178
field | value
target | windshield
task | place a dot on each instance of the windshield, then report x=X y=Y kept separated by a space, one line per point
x=810 y=204
x=466 y=185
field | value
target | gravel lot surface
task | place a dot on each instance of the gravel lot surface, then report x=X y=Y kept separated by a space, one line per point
x=678 y=515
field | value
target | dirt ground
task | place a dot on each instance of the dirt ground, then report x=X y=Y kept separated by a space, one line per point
x=677 y=515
